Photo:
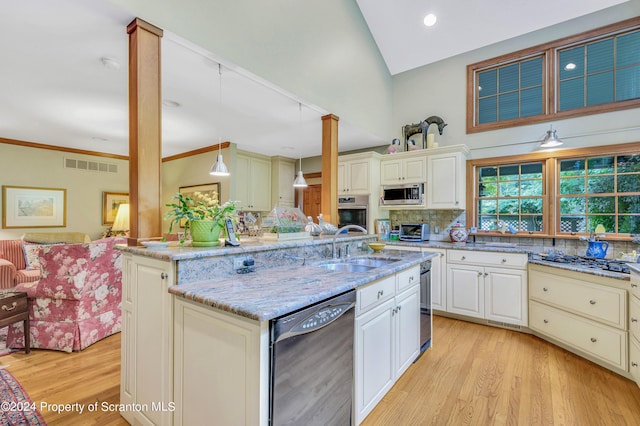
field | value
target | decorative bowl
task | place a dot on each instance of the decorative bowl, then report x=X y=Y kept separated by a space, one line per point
x=376 y=247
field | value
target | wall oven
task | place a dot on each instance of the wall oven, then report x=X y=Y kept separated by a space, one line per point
x=353 y=210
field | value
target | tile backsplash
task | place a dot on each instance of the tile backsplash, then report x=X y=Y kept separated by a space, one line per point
x=442 y=220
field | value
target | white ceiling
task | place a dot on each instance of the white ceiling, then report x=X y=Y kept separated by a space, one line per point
x=462 y=25
x=56 y=90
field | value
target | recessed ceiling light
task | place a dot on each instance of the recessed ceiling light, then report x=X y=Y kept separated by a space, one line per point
x=430 y=20
x=110 y=63
x=570 y=66
x=170 y=104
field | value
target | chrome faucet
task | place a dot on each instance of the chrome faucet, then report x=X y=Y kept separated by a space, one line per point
x=333 y=249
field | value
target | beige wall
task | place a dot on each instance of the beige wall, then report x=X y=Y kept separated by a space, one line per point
x=440 y=89
x=194 y=170
x=23 y=166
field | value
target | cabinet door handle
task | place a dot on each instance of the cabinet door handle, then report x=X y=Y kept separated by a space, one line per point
x=486 y=274
x=11 y=308
x=545 y=289
x=479 y=274
x=463 y=258
x=593 y=302
x=634 y=285
x=504 y=260
x=545 y=321
x=399 y=308
x=411 y=278
x=164 y=275
x=634 y=364
x=380 y=293
x=593 y=339
x=634 y=319
x=441 y=254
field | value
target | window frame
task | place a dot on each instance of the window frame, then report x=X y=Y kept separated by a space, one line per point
x=550 y=79
x=551 y=187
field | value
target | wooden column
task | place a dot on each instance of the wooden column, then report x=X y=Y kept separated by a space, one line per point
x=329 y=200
x=145 y=131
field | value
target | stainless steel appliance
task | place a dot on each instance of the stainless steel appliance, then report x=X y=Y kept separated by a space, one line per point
x=414 y=232
x=403 y=195
x=312 y=364
x=353 y=211
x=425 y=306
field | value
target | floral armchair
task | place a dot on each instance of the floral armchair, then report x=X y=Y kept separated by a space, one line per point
x=77 y=300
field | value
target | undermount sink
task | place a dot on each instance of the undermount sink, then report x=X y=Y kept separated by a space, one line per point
x=345 y=267
x=356 y=264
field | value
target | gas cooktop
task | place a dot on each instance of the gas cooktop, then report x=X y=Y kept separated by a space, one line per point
x=586 y=262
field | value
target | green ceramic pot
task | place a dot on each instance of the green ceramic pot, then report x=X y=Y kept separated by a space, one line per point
x=204 y=233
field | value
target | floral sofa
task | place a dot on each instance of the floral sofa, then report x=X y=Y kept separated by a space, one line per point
x=14 y=268
x=77 y=299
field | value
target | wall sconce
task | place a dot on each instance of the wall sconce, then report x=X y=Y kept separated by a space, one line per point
x=551 y=140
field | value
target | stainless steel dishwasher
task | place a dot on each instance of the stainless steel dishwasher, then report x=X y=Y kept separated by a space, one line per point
x=312 y=364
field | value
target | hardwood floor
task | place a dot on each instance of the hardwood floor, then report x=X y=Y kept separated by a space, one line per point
x=474 y=375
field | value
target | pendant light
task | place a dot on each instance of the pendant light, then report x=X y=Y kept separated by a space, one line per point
x=551 y=140
x=300 y=182
x=219 y=168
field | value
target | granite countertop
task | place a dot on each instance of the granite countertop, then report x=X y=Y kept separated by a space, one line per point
x=247 y=245
x=479 y=246
x=272 y=292
x=583 y=269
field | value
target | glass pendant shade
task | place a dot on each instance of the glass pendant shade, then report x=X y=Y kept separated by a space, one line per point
x=219 y=168
x=300 y=182
x=551 y=140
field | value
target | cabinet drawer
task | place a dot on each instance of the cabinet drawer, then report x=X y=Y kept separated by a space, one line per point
x=598 y=302
x=407 y=278
x=605 y=343
x=486 y=258
x=375 y=293
x=634 y=316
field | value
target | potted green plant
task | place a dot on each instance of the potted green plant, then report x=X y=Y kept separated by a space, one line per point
x=203 y=217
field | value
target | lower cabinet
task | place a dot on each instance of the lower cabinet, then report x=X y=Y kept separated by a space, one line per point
x=438 y=279
x=387 y=336
x=634 y=359
x=220 y=367
x=490 y=292
x=582 y=312
x=147 y=341
x=634 y=325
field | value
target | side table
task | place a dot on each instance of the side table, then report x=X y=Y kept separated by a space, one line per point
x=14 y=308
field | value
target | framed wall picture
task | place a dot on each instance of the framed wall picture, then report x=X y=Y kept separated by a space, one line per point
x=32 y=207
x=205 y=193
x=110 y=203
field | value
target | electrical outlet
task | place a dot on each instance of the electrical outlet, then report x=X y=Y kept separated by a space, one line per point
x=237 y=262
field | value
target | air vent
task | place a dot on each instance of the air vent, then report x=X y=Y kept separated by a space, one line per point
x=503 y=324
x=92 y=166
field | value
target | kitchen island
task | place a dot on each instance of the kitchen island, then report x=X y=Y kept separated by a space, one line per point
x=196 y=333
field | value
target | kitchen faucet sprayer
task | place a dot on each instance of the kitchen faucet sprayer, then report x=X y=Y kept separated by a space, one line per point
x=333 y=249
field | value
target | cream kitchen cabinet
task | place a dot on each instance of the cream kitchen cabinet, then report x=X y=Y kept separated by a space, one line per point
x=634 y=324
x=446 y=181
x=438 y=279
x=353 y=176
x=496 y=292
x=221 y=364
x=582 y=313
x=409 y=167
x=253 y=182
x=147 y=340
x=387 y=338
x=282 y=176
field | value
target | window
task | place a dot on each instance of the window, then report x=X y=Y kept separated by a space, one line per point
x=594 y=72
x=600 y=190
x=511 y=194
x=556 y=194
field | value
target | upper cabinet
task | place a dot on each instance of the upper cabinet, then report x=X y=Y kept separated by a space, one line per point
x=407 y=167
x=253 y=182
x=282 y=176
x=446 y=177
x=358 y=173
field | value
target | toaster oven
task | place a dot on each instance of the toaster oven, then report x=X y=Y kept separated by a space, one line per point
x=414 y=232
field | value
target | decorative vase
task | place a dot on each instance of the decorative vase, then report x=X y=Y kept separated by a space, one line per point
x=597 y=249
x=458 y=233
x=204 y=233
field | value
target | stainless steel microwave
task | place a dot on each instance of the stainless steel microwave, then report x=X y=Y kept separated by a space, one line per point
x=403 y=195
